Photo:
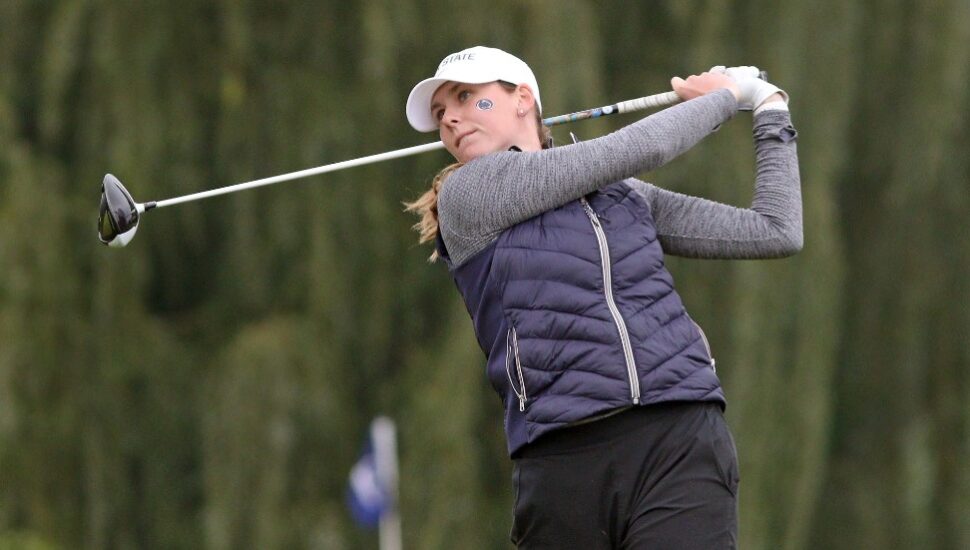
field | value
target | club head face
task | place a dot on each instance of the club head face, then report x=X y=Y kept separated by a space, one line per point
x=117 y=215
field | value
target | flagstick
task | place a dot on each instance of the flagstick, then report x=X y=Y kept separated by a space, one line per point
x=385 y=455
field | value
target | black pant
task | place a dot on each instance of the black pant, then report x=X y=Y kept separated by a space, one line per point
x=658 y=476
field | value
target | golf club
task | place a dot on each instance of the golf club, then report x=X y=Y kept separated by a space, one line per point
x=119 y=213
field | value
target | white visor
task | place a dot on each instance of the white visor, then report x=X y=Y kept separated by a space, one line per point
x=476 y=65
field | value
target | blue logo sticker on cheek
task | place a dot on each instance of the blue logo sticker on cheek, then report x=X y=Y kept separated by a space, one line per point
x=484 y=104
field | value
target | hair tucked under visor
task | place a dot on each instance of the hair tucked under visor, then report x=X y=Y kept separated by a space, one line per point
x=426 y=206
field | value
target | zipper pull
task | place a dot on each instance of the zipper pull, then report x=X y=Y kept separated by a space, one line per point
x=590 y=213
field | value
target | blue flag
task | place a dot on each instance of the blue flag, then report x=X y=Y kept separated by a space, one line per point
x=367 y=496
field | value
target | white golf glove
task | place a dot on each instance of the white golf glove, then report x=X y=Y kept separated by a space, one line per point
x=754 y=91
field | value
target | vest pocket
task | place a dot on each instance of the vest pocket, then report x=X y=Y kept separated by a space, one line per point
x=512 y=353
x=707 y=345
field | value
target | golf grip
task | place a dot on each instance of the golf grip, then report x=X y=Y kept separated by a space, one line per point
x=654 y=101
x=648 y=102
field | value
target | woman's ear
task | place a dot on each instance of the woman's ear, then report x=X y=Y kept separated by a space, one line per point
x=526 y=100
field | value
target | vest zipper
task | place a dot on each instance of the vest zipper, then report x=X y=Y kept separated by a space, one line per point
x=631 y=367
x=512 y=344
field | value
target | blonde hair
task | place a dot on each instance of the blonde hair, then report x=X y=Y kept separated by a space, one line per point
x=426 y=206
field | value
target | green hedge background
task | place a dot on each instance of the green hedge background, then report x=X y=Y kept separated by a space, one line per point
x=210 y=385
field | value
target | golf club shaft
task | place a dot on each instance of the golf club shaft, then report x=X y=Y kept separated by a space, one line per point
x=648 y=102
x=370 y=159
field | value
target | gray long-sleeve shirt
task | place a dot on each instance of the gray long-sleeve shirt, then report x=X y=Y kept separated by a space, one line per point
x=494 y=192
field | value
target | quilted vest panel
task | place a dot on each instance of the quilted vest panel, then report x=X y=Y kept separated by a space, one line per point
x=546 y=318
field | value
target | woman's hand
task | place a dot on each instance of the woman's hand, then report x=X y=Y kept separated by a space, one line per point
x=704 y=83
x=754 y=91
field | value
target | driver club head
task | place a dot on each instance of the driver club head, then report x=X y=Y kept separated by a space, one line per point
x=118 y=213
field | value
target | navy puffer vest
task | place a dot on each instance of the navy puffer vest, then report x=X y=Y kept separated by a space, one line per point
x=578 y=316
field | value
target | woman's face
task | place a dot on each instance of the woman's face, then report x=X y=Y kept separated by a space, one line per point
x=478 y=119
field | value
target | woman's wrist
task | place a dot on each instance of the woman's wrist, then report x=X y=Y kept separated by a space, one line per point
x=773 y=97
x=774 y=102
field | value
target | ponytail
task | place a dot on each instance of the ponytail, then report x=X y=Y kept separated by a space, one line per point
x=426 y=206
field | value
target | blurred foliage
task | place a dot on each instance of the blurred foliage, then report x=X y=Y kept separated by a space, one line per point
x=210 y=385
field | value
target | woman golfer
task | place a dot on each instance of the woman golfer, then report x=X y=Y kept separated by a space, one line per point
x=613 y=410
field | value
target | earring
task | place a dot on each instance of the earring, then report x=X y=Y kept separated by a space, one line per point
x=521 y=113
